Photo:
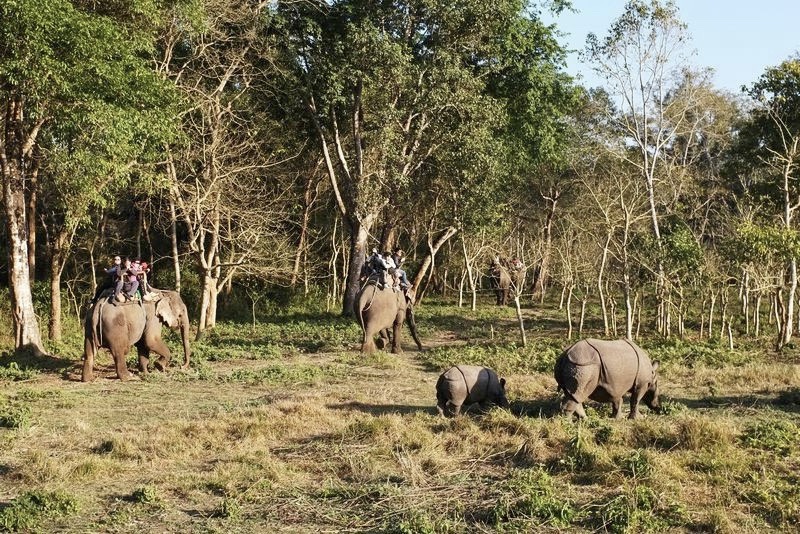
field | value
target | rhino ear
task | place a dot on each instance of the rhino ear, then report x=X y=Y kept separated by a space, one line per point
x=503 y=383
x=655 y=366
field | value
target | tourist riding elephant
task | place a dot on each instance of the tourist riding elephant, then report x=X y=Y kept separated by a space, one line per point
x=119 y=327
x=379 y=309
x=500 y=280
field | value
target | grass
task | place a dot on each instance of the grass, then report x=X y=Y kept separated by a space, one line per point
x=285 y=427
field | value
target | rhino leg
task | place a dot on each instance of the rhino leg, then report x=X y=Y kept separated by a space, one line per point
x=456 y=409
x=616 y=408
x=636 y=396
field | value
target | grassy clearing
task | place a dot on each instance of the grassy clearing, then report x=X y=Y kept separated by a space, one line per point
x=285 y=428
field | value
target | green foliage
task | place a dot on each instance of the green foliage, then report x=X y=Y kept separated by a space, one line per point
x=15 y=416
x=33 y=507
x=532 y=494
x=12 y=372
x=777 y=499
x=283 y=375
x=145 y=495
x=638 y=509
x=775 y=435
x=504 y=358
x=759 y=243
x=637 y=464
x=229 y=508
x=710 y=353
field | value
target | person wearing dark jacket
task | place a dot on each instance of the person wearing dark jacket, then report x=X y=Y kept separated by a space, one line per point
x=112 y=273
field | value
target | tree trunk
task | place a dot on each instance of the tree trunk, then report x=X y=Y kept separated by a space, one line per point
x=173 y=234
x=31 y=216
x=23 y=314
x=58 y=258
x=544 y=265
x=359 y=234
x=788 y=320
x=433 y=248
x=600 y=292
x=569 y=312
x=309 y=195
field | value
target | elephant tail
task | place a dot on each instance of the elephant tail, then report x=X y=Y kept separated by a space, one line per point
x=369 y=304
x=97 y=330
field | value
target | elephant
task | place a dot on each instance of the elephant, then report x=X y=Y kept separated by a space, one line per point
x=119 y=327
x=377 y=310
x=468 y=384
x=605 y=371
x=500 y=280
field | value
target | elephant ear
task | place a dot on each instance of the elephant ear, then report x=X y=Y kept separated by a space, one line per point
x=166 y=313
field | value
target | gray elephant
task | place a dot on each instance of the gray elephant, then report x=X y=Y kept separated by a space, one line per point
x=605 y=371
x=468 y=384
x=500 y=280
x=377 y=310
x=119 y=327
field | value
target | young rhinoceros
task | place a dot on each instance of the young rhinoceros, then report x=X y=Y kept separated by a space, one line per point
x=468 y=384
x=605 y=371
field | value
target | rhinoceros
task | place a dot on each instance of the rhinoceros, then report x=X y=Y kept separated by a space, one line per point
x=468 y=384
x=605 y=371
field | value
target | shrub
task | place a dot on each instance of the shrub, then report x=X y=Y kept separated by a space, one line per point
x=15 y=416
x=637 y=464
x=31 y=507
x=531 y=494
x=145 y=495
x=12 y=372
x=775 y=435
x=638 y=509
x=776 y=499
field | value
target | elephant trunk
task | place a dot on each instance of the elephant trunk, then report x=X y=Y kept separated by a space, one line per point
x=412 y=325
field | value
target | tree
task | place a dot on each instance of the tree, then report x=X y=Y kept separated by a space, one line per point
x=233 y=211
x=390 y=87
x=642 y=52
x=768 y=154
x=68 y=64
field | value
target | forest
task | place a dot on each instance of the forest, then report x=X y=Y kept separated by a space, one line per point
x=254 y=154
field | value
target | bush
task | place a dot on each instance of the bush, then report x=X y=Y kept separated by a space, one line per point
x=638 y=509
x=145 y=495
x=28 y=509
x=776 y=435
x=532 y=495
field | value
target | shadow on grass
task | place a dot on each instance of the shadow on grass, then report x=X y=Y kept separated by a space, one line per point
x=383 y=409
x=539 y=408
x=29 y=357
x=787 y=401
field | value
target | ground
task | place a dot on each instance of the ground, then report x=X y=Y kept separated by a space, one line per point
x=285 y=427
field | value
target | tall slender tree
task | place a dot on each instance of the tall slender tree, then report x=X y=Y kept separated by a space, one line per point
x=66 y=61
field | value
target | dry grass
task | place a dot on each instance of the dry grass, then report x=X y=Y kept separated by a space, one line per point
x=333 y=442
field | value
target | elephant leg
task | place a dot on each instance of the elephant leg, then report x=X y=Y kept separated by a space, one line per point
x=88 y=360
x=368 y=344
x=144 y=358
x=158 y=346
x=616 y=408
x=120 y=364
x=396 y=348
